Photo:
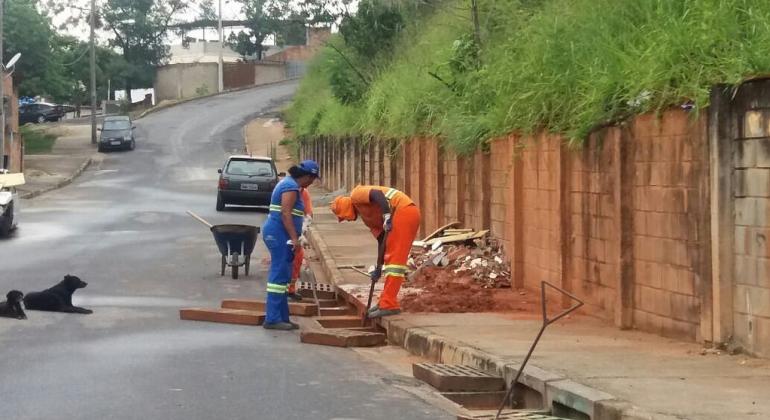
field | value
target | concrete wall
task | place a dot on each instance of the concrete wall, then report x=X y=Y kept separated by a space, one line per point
x=179 y=81
x=622 y=222
x=750 y=194
x=265 y=72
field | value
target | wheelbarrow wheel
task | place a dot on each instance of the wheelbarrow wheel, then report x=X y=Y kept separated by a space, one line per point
x=234 y=265
x=224 y=264
x=247 y=264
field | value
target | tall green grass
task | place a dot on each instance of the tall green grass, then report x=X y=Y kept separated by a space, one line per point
x=561 y=65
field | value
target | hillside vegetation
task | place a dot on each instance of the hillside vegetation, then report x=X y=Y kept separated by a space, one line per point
x=415 y=67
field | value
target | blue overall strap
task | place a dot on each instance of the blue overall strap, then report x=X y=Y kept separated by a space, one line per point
x=287 y=184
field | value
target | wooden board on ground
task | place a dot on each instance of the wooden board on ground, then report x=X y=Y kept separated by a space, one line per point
x=441 y=229
x=295 y=308
x=227 y=316
x=459 y=238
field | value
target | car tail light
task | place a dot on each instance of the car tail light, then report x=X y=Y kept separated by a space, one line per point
x=223 y=183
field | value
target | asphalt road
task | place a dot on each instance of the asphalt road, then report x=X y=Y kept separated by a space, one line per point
x=122 y=228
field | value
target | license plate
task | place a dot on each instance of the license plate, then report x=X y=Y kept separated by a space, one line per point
x=115 y=142
x=250 y=187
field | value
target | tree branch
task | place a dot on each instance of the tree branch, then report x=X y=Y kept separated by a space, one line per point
x=350 y=64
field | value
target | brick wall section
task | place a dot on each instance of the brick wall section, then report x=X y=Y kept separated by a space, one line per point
x=540 y=212
x=501 y=170
x=666 y=223
x=430 y=185
x=631 y=201
x=451 y=177
x=752 y=239
x=592 y=241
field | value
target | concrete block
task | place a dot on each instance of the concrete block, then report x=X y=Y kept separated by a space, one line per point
x=757 y=182
x=457 y=378
x=476 y=400
x=342 y=338
x=746 y=211
x=323 y=291
x=343 y=321
x=744 y=153
x=295 y=308
x=574 y=396
x=763 y=153
x=227 y=316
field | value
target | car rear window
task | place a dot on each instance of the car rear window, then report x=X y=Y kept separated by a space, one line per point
x=250 y=167
x=116 y=125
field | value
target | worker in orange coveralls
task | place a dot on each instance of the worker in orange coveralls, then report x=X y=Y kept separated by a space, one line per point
x=384 y=209
x=299 y=253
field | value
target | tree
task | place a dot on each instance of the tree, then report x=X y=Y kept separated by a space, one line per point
x=263 y=18
x=29 y=32
x=140 y=28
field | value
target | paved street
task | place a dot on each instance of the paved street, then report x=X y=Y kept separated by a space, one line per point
x=122 y=228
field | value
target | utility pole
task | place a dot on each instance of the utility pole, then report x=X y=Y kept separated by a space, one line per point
x=93 y=71
x=2 y=89
x=220 y=74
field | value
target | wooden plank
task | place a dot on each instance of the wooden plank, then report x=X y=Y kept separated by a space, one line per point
x=441 y=229
x=295 y=308
x=227 y=316
x=458 y=238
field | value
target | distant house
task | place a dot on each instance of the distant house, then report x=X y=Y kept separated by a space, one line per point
x=201 y=52
x=13 y=153
x=316 y=38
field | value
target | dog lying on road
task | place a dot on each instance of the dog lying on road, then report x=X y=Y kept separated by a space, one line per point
x=11 y=308
x=57 y=298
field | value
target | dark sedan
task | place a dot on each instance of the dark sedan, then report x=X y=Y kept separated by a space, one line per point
x=117 y=133
x=40 y=113
x=246 y=180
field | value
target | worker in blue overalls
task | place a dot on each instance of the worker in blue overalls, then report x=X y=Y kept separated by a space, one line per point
x=281 y=235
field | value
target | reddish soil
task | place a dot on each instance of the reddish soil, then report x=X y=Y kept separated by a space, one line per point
x=445 y=291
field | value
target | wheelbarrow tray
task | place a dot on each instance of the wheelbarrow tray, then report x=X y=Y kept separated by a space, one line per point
x=236 y=236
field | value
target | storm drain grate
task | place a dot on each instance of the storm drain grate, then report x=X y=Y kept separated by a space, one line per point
x=513 y=415
x=457 y=378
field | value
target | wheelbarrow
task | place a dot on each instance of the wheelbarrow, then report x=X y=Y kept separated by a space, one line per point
x=235 y=243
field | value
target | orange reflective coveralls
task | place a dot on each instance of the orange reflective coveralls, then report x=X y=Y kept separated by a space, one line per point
x=406 y=223
x=299 y=254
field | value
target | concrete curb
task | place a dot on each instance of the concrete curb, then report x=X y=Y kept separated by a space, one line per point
x=64 y=182
x=224 y=92
x=552 y=387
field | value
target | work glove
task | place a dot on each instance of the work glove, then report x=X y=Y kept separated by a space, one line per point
x=387 y=224
x=375 y=274
x=306 y=224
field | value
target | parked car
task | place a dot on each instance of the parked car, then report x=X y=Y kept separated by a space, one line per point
x=117 y=133
x=246 y=180
x=9 y=209
x=40 y=113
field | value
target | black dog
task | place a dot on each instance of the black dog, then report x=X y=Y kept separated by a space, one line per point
x=11 y=308
x=57 y=298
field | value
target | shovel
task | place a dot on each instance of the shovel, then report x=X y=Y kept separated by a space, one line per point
x=380 y=262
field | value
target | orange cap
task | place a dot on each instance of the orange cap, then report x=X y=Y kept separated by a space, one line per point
x=343 y=208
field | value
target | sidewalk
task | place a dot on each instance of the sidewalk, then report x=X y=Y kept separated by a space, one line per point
x=70 y=156
x=580 y=363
